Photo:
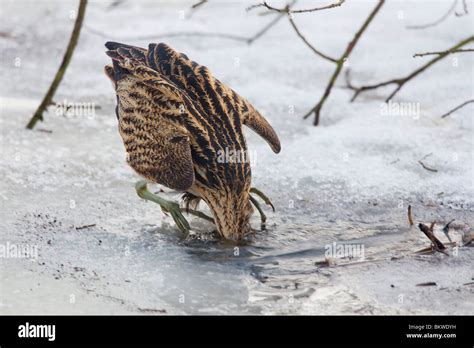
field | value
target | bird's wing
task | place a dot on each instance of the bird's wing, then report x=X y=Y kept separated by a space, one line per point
x=149 y=107
x=212 y=95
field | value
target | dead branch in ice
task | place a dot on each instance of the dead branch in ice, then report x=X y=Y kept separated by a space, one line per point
x=438 y=21
x=85 y=226
x=410 y=216
x=427 y=168
x=436 y=243
x=426 y=284
x=400 y=82
x=48 y=98
x=457 y=108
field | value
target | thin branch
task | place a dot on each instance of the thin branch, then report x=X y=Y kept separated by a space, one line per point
x=340 y=62
x=47 y=100
x=251 y=7
x=248 y=40
x=269 y=25
x=427 y=168
x=442 y=52
x=322 y=55
x=457 y=108
x=285 y=10
x=85 y=226
x=196 y=7
x=438 y=21
x=201 y=2
x=400 y=82
x=170 y=34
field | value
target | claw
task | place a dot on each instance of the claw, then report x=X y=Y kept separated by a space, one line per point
x=263 y=217
x=263 y=197
x=178 y=218
x=167 y=206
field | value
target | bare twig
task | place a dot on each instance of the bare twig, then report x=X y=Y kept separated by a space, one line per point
x=251 y=7
x=38 y=115
x=85 y=226
x=457 y=108
x=169 y=34
x=240 y=38
x=443 y=52
x=436 y=22
x=410 y=216
x=319 y=53
x=285 y=10
x=201 y=2
x=267 y=27
x=437 y=245
x=427 y=168
x=400 y=82
x=340 y=62
x=195 y=7
x=426 y=284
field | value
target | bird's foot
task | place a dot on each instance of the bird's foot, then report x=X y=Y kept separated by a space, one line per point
x=263 y=197
x=263 y=217
x=170 y=207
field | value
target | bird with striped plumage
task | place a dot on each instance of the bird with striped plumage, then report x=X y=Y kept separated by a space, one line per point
x=176 y=120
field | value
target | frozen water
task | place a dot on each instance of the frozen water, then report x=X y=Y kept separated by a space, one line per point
x=349 y=180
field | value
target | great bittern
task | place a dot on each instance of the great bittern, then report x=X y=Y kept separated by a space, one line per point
x=176 y=120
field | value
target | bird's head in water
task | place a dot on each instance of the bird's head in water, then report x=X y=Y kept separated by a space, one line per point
x=226 y=191
x=232 y=212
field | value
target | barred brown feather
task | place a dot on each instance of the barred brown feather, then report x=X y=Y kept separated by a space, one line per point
x=175 y=119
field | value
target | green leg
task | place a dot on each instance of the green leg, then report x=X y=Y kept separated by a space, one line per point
x=263 y=217
x=262 y=196
x=170 y=207
x=198 y=214
x=167 y=206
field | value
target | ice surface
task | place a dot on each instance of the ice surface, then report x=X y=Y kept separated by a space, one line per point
x=349 y=180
